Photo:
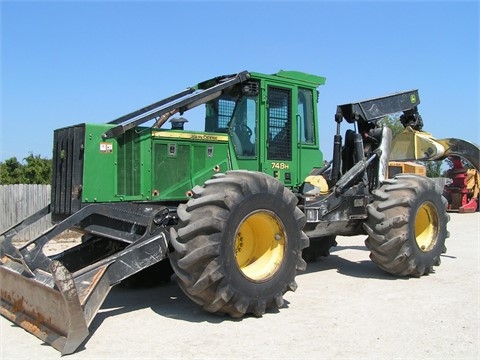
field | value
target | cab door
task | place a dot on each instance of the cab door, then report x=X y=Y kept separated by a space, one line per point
x=278 y=158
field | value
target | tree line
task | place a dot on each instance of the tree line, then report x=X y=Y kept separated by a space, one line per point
x=34 y=169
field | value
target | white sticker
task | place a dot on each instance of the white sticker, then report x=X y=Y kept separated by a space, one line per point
x=106 y=147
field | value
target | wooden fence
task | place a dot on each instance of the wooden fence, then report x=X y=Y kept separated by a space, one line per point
x=20 y=201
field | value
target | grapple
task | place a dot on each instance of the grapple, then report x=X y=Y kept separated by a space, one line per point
x=418 y=145
x=56 y=297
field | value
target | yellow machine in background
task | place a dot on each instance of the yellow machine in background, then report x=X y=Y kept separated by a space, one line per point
x=405 y=167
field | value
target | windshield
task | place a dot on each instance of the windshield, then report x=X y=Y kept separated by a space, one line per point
x=236 y=115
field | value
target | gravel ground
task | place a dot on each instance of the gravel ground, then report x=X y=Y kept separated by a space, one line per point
x=344 y=308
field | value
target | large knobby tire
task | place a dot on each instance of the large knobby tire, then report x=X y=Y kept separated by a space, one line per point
x=407 y=226
x=239 y=244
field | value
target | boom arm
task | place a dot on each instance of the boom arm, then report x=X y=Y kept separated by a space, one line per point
x=184 y=100
x=375 y=109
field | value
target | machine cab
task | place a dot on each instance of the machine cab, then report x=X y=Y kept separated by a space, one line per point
x=272 y=124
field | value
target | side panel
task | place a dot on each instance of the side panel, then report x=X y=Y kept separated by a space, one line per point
x=182 y=160
x=116 y=169
x=140 y=165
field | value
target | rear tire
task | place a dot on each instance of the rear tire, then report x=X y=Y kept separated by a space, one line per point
x=407 y=226
x=239 y=244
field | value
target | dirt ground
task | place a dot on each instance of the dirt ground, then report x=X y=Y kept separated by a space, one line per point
x=60 y=243
x=344 y=308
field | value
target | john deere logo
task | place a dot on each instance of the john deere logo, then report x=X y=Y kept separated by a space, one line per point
x=413 y=98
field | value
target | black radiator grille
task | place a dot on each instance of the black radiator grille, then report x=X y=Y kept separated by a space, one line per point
x=68 y=146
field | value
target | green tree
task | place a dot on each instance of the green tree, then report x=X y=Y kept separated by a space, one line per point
x=11 y=171
x=433 y=168
x=35 y=170
x=393 y=122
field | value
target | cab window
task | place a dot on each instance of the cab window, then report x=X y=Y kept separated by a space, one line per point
x=305 y=115
x=243 y=127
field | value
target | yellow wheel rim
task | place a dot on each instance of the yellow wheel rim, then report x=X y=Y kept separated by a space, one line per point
x=426 y=227
x=260 y=245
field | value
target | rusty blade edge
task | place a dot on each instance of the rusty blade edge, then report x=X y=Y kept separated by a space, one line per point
x=32 y=326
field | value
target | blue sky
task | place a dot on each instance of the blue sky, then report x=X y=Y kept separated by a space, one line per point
x=64 y=63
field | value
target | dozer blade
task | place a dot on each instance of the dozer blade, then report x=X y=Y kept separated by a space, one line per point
x=53 y=314
x=56 y=297
x=56 y=305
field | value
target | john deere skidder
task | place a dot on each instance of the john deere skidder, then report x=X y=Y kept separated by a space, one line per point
x=233 y=208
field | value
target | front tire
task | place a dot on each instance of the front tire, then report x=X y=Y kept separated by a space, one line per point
x=239 y=244
x=407 y=226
